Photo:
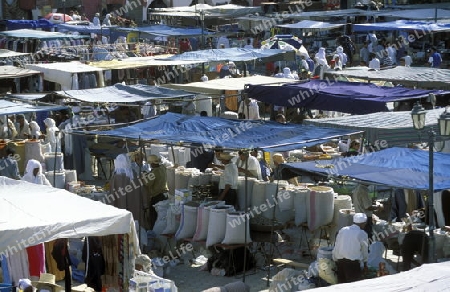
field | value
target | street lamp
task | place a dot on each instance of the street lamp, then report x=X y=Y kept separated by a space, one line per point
x=202 y=22
x=64 y=10
x=418 y=116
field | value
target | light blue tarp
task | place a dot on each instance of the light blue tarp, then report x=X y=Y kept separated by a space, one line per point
x=396 y=167
x=231 y=134
x=419 y=26
x=11 y=108
x=120 y=93
x=164 y=30
x=38 y=34
x=103 y=30
x=232 y=54
x=312 y=25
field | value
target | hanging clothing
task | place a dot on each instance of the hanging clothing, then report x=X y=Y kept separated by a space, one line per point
x=36 y=259
x=18 y=266
x=92 y=255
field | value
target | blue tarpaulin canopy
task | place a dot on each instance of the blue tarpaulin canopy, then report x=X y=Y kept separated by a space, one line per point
x=312 y=25
x=396 y=167
x=231 y=134
x=11 y=108
x=38 y=34
x=420 y=26
x=233 y=54
x=331 y=95
x=164 y=30
x=30 y=24
x=120 y=93
x=103 y=30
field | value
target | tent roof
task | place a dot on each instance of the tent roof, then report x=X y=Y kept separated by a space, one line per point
x=38 y=34
x=103 y=30
x=11 y=108
x=120 y=93
x=425 y=13
x=25 y=215
x=15 y=72
x=346 y=97
x=29 y=24
x=403 y=25
x=312 y=25
x=232 y=54
x=232 y=134
x=227 y=10
x=70 y=67
x=396 y=167
x=420 y=77
x=136 y=62
x=27 y=96
x=395 y=128
x=10 y=54
x=217 y=86
x=162 y=30
x=329 y=13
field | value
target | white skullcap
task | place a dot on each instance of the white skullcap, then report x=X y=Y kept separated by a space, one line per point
x=359 y=218
x=24 y=283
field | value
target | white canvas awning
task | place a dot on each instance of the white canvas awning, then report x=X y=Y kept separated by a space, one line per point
x=16 y=72
x=217 y=86
x=65 y=73
x=312 y=25
x=32 y=214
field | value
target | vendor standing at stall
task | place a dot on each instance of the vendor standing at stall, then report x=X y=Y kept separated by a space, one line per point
x=228 y=180
x=363 y=204
x=350 y=249
x=156 y=185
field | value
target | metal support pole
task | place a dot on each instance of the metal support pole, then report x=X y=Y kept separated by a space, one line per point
x=431 y=239
x=202 y=19
x=64 y=11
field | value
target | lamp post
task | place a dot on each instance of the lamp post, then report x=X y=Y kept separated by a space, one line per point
x=64 y=10
x=202 y=22
x=418 y=116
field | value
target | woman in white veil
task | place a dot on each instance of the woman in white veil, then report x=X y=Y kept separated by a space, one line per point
x=33 y=173
x=52 y=135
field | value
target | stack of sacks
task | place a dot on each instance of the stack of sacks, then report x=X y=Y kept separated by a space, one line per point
x=340 y=203
x=217 y=224
x=244 y=192
x=201 y=230
x=319 y=207
x=188 y=220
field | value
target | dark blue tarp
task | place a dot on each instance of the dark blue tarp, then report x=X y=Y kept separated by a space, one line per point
x=396 y=167
x=231 y=134
x=330 y=95
x=233 y=54
x=29 y=24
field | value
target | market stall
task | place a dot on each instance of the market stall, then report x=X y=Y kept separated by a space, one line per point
x=27 y=221
x=16 y=80
x=393 y=128
x=333 y=95
x=69 y=75
x=412 y=77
